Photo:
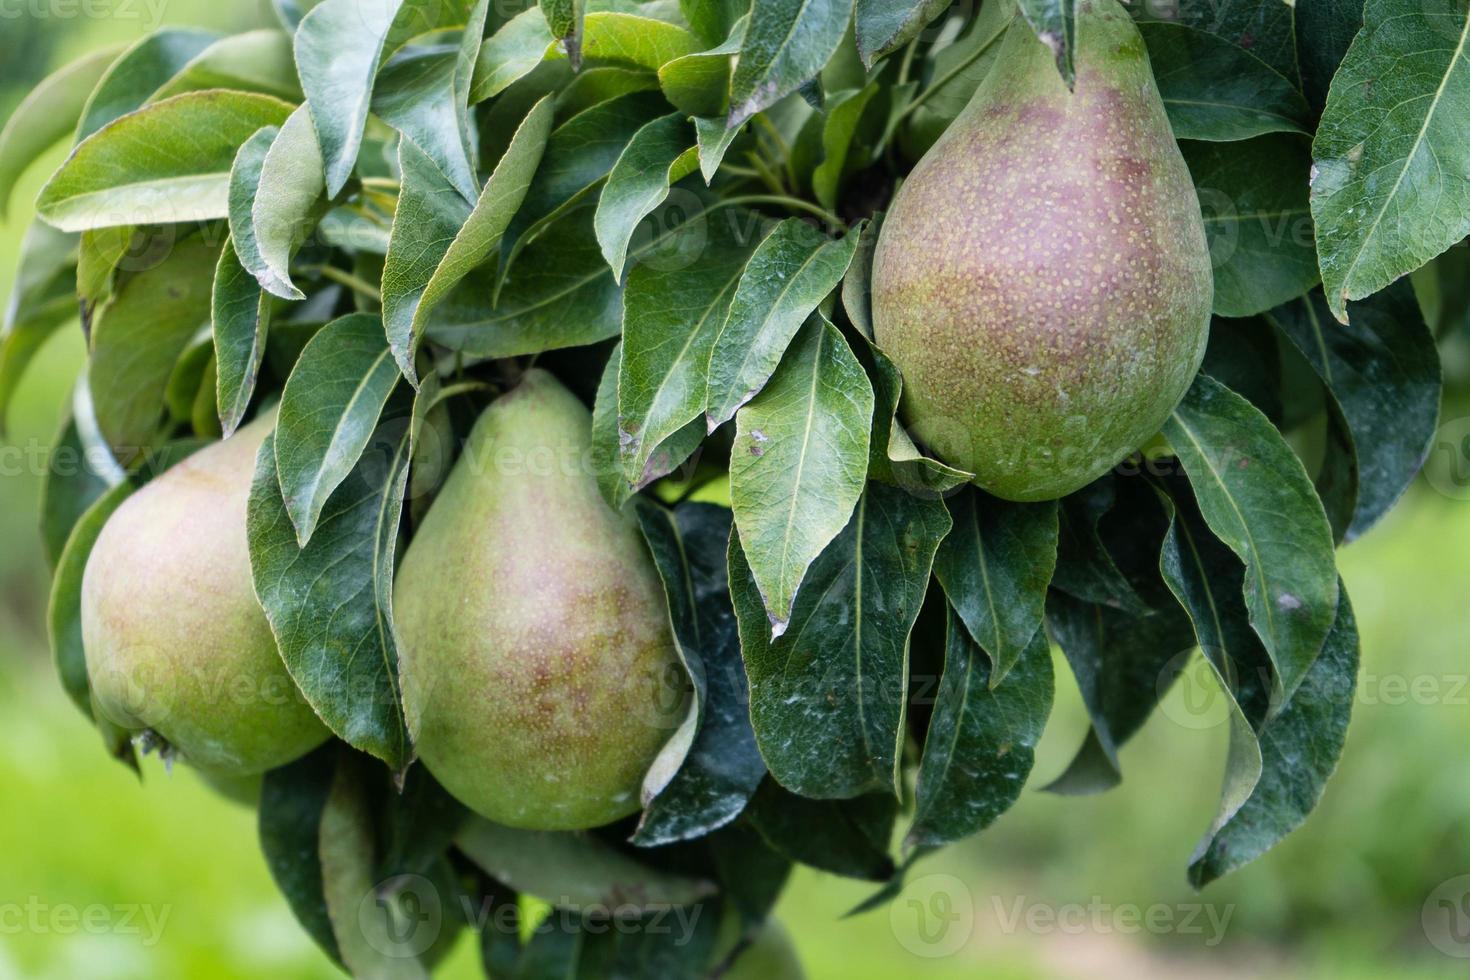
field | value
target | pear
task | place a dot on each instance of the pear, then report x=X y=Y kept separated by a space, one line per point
x=176 y=643
x=1042 y=279
x=770 y=954
x=539 y=673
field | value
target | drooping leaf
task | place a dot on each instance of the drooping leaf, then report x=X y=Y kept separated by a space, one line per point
x=699 y=84
x=982 y=740
x=438 y=240
x=1257 y=220
x=893 y=457
x=1258 y=499
x=241 y=314
x=1382 y=375
x=710 y=774
x=995 y=567
x=827 y=696
x=286 y=212
x=839 y=132
x=1388 y=188
x=1266 y=30
x=292 y=799
x=958 y=71
x=844 y=837
x=42 y=299
x=672 y=312
x=244 y=188
x=1300 y=747
x=76 y=476
x=330 y=603
x=787 y=43
x=164 y=164
x=255 y=61
x=329 y=411
x=714 y=139
x=511 y=54
x=657 y=157
x=884 y=26
x=799 y=463
x=137 y=338
x=792 y=271
x=135 y=77
x=47 y=114
x=1324 y=31
x=1215 y=90
x=1085 y=568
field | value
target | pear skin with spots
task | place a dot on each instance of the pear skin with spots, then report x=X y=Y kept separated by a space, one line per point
x=1043 y=279
x=176 y=643
x=539 y=673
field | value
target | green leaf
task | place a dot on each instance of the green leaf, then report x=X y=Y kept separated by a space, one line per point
x=511 y=54
x=838 y=133
x=610 y=483
x=656 y=157
x=137 y=338
x=1085 y=568
x=710 y=769
x=143 y=169
x=76 y=476
x=893 y=457
x=100 y=253
x=1388 y=187
x=564 y=17
x=329 y=411
x=293 y=202
x=1266 y=30
x=424 y=94
x=1300 y=747
x=579 y=155
x=330 y=602
x=1324 y=30
x=1382 y=375
x=827 y=696
x=292 y=800
x=1214 y=90
x=982 y=740
x=884 y=26
x=845 y=837
x=256 y=61
x=714 y=141
x=787 y=43
x=1123 y=664
x=792 y=271
x=244 y=188
x=672 y=312
x=47 y=114
x=799 y=462
x=561 y=294
x=1257 y=220
x=713 y=20
x=445 y=241
x=958 y=71
x=575 y=871
x=1258 y=499
x=187 y=377
x=136 y=76
x=241 y=313
x=699 y=84
x=1054 y=21
x=42 y=299
x=995 y=567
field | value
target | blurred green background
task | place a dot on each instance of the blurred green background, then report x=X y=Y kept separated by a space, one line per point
x=1056 y=889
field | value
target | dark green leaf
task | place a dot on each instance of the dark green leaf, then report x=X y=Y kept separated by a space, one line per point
x=1324 y=30
x=244 y=188
x=657 y=156
x=1257 y=220
x=1214 y=90
x=1257 y=498
x=840 y=151
x=42 y=299
x=707 y=774
x=329 y=411
x=995 y=567
x=46 y=115
x=241 y=312
x=699 y=84
x=828 y=695
x=1388 y=188
x=884 y=26
x=511 y=54
x=1265 y=30
x=1381 y=370
x=845 y=837
x=166 y=163
x=982 y=740
x=292 y=800
x=1085 y=569
x=256 y=61
x=329 y=603
x=76 y=476
x=957 y=72
x=787 y=43
x=789 y=275
x=138 y=73
x=893 y=458
x=799 y=463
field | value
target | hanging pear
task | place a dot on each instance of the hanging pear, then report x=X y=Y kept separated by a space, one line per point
x=176 y=643
x=1042 y=279
x=540 y=678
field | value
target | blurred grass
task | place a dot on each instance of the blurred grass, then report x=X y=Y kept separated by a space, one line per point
x=1341 y=898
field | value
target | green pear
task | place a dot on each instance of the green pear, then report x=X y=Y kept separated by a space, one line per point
x=176 y=643
x=536 y=655
x=1042 y=279
x=771 y=954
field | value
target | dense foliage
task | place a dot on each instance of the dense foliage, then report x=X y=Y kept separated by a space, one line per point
x=381 y=214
